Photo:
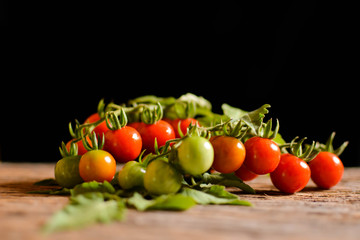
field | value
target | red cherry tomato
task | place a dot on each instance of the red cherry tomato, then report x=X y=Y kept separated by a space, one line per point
x=136 y=125
x=123 y=144
x=326 y=170
x=291 y=175
x=262 y=155
x=160 y=130
x=184 y=124
x=97 y=165
x=244 y=174
x=99 y=129
x=229 y=154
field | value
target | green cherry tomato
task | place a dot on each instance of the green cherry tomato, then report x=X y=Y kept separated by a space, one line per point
x=229 y=153
x=131 y=175
x=162 y=178
x=67 y=172
x=195 y=155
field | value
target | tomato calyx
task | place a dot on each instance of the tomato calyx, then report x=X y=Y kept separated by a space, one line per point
x=306 y=153
x=151 y=113
x=97 y=142
x=328 y=146
x=73 y=150
x=265 y=129
x=181 y=109
x=114 y=121
x=235 y=129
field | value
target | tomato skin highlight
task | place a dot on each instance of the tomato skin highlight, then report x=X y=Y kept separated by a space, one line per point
x=67 y=172
x=229 y=154
x=326 y=170
x=99 y=129
x=123 y=144
x=262 y=155
x=195 y=155
x=97 y=165
x=162 y=178
x=131 y=175
x=244 y=174
x=291 y=175
x=161 y=130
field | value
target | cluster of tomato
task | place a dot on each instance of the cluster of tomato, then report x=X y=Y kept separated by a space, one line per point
x=172 y=151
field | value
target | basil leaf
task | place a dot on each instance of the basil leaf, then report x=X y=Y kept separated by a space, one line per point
x=58 y=191
x=152 y=99
x=218 y=191
x=204 y=198
x=232 y=112
x=83 y=210
x=47 y=182
x=278 y=139
x=92 y=186
x=253 y=119
x=200 y=102
x=227 y=180
x=163 y=202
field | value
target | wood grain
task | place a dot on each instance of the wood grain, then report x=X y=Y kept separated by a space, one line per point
x=310 y=214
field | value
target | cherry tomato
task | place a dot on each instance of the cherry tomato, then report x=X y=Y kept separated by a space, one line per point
x=291 y=175
x=184 y=124
x=97 y=165
x=99 y=129
x=262 y=155
x=136 y=125
x=67 y=172
x=326 y=170
x=195 y=155
x=244 y=174
x=160 y=130
x=229 y=154
x=161 y=178
x=131 y=175
x=123 y=144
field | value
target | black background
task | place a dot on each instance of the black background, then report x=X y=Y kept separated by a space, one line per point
x=62 y=58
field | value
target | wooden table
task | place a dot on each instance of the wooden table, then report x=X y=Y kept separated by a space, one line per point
x=310 y=214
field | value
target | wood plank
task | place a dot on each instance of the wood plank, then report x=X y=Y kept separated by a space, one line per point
x=310 y=214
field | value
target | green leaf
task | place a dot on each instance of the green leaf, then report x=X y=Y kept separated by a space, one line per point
x=84 y=210
x=200 y=102
x=278 y=139
x=47 y=182
x=152 y=99
x=253 y=119
x=204 y=198
x=93 y=186
x=232 y=112
x=227 y=180
x=218 y=191
x=58 y=191
x=164 y=202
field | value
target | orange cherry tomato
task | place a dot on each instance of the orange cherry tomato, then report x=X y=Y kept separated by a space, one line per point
x=97 y=165
x=229 y=154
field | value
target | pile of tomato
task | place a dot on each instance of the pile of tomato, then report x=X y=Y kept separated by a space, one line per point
x=161 y=141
